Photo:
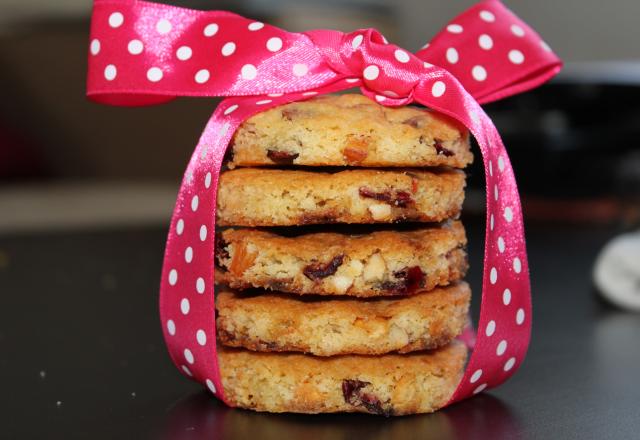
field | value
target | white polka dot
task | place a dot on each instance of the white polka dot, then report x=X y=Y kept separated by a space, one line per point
x=390 y=94
x=154 y=74
x=189 y=356
x=188 y=254
x=487 y=16
x=94 y=47
x=491 y=328
x=309 y=93
x=224 y=128
x=135 y=47
x=495 y=192
x=517 y=30
x=475 y=118
x=357 y=41
x=231 y=109
x=455 y=28
x=173 y=277
x=186 y=370
x=202 y=76
x=438 y=88
x=210 y=30
x=352 y=80
x=508 y=214
x=179 y=227
x=256 y=26
x=490 y=168
x=381 y=98
x=476 y=376
x=491 y=222
x=452 y=55
x=516 y=57
x=185 y=306
x=264 y=101
x=545 y=46
x=184 y=53
x=228 y=49
x=195 y=201
x=493 y=276
x=171 y=327
x=501 y=164
x=207 y=180
x=248 y=72
x=480 y=388
x=485 y=41
x=300 y=69
x=371 y=72
x=520 y=316
x=274 y=44
x=506 y=297
x=509 y=364
x=211 y=386
x=110 y=72
x=517 y=265
x=501 y=244
x=502 y=347
x=116 y=19
x=163 y=26
x=203 y=232
x=479 y=73
x=201 y=337
x=200 y=285
x=401 y=56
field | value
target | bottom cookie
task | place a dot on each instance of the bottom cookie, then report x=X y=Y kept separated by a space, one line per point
x=391 y=384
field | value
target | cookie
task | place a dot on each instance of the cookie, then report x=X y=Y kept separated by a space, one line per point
x=279 y=322
x=392 y=384
x=338 y=130
x=381 y=263
x=267 y=197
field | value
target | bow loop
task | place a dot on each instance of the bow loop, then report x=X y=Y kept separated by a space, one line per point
x=492 y=52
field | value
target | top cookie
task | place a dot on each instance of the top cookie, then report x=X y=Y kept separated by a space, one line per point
x=339 y=130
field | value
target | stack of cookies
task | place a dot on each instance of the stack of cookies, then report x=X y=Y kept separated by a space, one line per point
x=332 y=317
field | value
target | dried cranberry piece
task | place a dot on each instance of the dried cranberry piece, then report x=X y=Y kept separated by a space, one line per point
x=413 y=276
x=317 y=271
x=351 y=388
x=221 y=251
x=401 y=198
x=437 y=144
x=353 y=395
x=282 y=157
x=367 y=193
x=410 y=279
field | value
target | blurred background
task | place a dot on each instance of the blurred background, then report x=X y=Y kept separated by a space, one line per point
x=66 y=162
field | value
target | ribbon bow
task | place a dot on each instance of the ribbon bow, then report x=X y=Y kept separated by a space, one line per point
x=145 y=53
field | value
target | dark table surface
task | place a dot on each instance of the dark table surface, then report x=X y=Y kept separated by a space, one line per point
x=81 y=352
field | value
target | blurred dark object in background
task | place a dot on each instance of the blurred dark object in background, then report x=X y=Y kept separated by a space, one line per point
x=575 y=143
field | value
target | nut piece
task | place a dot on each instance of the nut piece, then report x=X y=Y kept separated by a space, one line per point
x=375 y=268
x=380 y=211
x=342 y=283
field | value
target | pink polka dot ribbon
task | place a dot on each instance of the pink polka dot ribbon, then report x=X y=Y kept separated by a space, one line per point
x=144 y=53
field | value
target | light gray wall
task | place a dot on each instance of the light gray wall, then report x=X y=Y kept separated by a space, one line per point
x=578 y=30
